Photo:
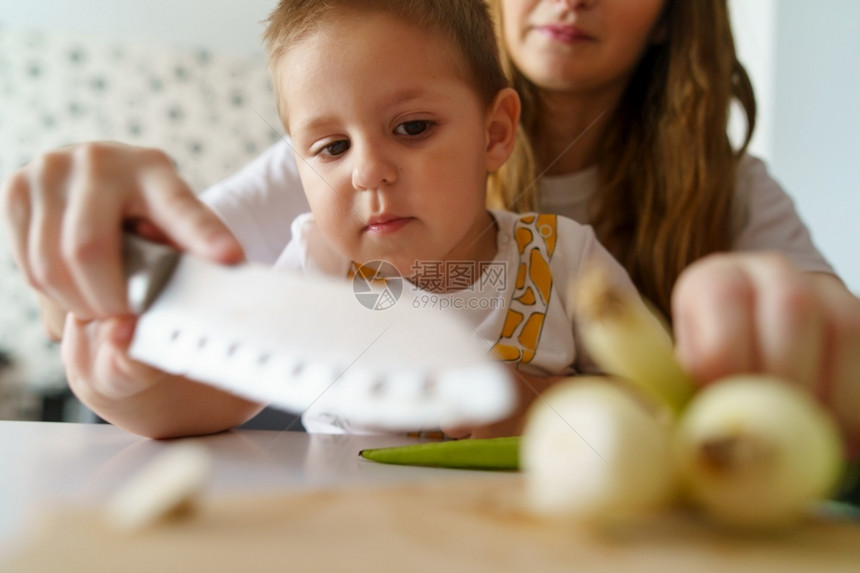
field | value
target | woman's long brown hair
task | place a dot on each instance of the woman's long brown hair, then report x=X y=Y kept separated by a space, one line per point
x=667 y=167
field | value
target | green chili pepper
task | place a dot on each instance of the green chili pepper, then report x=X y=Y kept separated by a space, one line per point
x=476 y=454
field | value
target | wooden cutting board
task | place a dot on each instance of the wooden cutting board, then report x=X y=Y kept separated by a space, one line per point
x=450 y=526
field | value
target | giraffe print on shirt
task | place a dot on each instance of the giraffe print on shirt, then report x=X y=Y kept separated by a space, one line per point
x=536 y=239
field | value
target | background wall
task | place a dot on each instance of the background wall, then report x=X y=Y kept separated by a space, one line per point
x=181 y=80
x=816 y=136
x=229 y=26
x=802 y=56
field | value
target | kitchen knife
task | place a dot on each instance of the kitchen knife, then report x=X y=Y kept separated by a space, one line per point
x=291 y=341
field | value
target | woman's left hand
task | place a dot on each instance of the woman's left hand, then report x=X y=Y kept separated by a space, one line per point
x=757 y=313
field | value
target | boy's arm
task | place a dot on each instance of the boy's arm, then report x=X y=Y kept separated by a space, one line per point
x=529 y=389
x=137 y=397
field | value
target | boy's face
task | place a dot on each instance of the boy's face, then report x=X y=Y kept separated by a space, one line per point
x=391 y=142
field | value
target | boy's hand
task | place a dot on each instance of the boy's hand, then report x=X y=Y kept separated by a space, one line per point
x=66 y=211
x=135 y=396
x=98 y=368
x=739 y=313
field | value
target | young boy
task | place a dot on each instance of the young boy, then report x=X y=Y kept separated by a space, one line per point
x=397 y=112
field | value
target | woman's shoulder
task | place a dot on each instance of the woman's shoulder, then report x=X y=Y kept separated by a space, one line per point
x=756 y=190
x=755 y=182
x=753 y=174
x=766 y=218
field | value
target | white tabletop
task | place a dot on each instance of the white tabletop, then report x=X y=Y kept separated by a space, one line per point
x=46 y=463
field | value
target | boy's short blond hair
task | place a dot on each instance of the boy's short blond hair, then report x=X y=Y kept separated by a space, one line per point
x=465 y=24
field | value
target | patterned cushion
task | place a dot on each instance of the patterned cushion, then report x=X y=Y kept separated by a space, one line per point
x=212 y=114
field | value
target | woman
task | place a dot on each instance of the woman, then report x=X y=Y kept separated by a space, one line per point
x=626 y=108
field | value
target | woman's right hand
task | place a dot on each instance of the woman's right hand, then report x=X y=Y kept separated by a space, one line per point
x=739 y=313
x=66 y=211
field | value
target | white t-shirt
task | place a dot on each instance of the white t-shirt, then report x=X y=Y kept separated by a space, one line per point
x=767 y=219
x=517 y=302
x=259 y=203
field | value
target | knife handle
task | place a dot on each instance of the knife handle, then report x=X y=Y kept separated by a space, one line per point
x=147 y=267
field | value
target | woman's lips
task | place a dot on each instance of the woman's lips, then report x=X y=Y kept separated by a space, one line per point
x=565 y=34
x=386 y=225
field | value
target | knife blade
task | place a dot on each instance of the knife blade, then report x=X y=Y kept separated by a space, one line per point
x=292 y=340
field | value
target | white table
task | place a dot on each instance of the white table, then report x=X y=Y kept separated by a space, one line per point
x=82 y=464
x=48 y=463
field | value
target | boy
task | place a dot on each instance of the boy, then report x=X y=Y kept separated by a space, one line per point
x=398 y=112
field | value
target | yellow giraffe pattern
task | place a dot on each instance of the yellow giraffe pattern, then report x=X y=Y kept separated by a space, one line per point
x=536 y=238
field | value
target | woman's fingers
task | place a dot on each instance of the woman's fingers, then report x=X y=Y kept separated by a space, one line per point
x=713 y=309
x=49 y=265
x=91 y=243
x=790 y=322
x=173 y=207
x=749 y=313
x=17 y=210
x=139 y=186
x=841 y=362
x=66 y=212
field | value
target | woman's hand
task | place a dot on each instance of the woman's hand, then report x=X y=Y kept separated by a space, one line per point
x=135 y=396
x=66 y=210
x=739 y=313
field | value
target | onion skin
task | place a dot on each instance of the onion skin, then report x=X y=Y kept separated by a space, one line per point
x=750 y=451
x=592 y=452
x=755 y=452
x=628 y=340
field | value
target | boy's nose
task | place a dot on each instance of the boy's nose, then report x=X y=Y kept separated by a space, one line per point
x=373 y=169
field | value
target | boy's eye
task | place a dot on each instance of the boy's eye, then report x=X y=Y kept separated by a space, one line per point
x=335 y=148
x=413 y=128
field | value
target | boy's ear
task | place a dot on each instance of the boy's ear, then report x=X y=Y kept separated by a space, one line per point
x=503 y=118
